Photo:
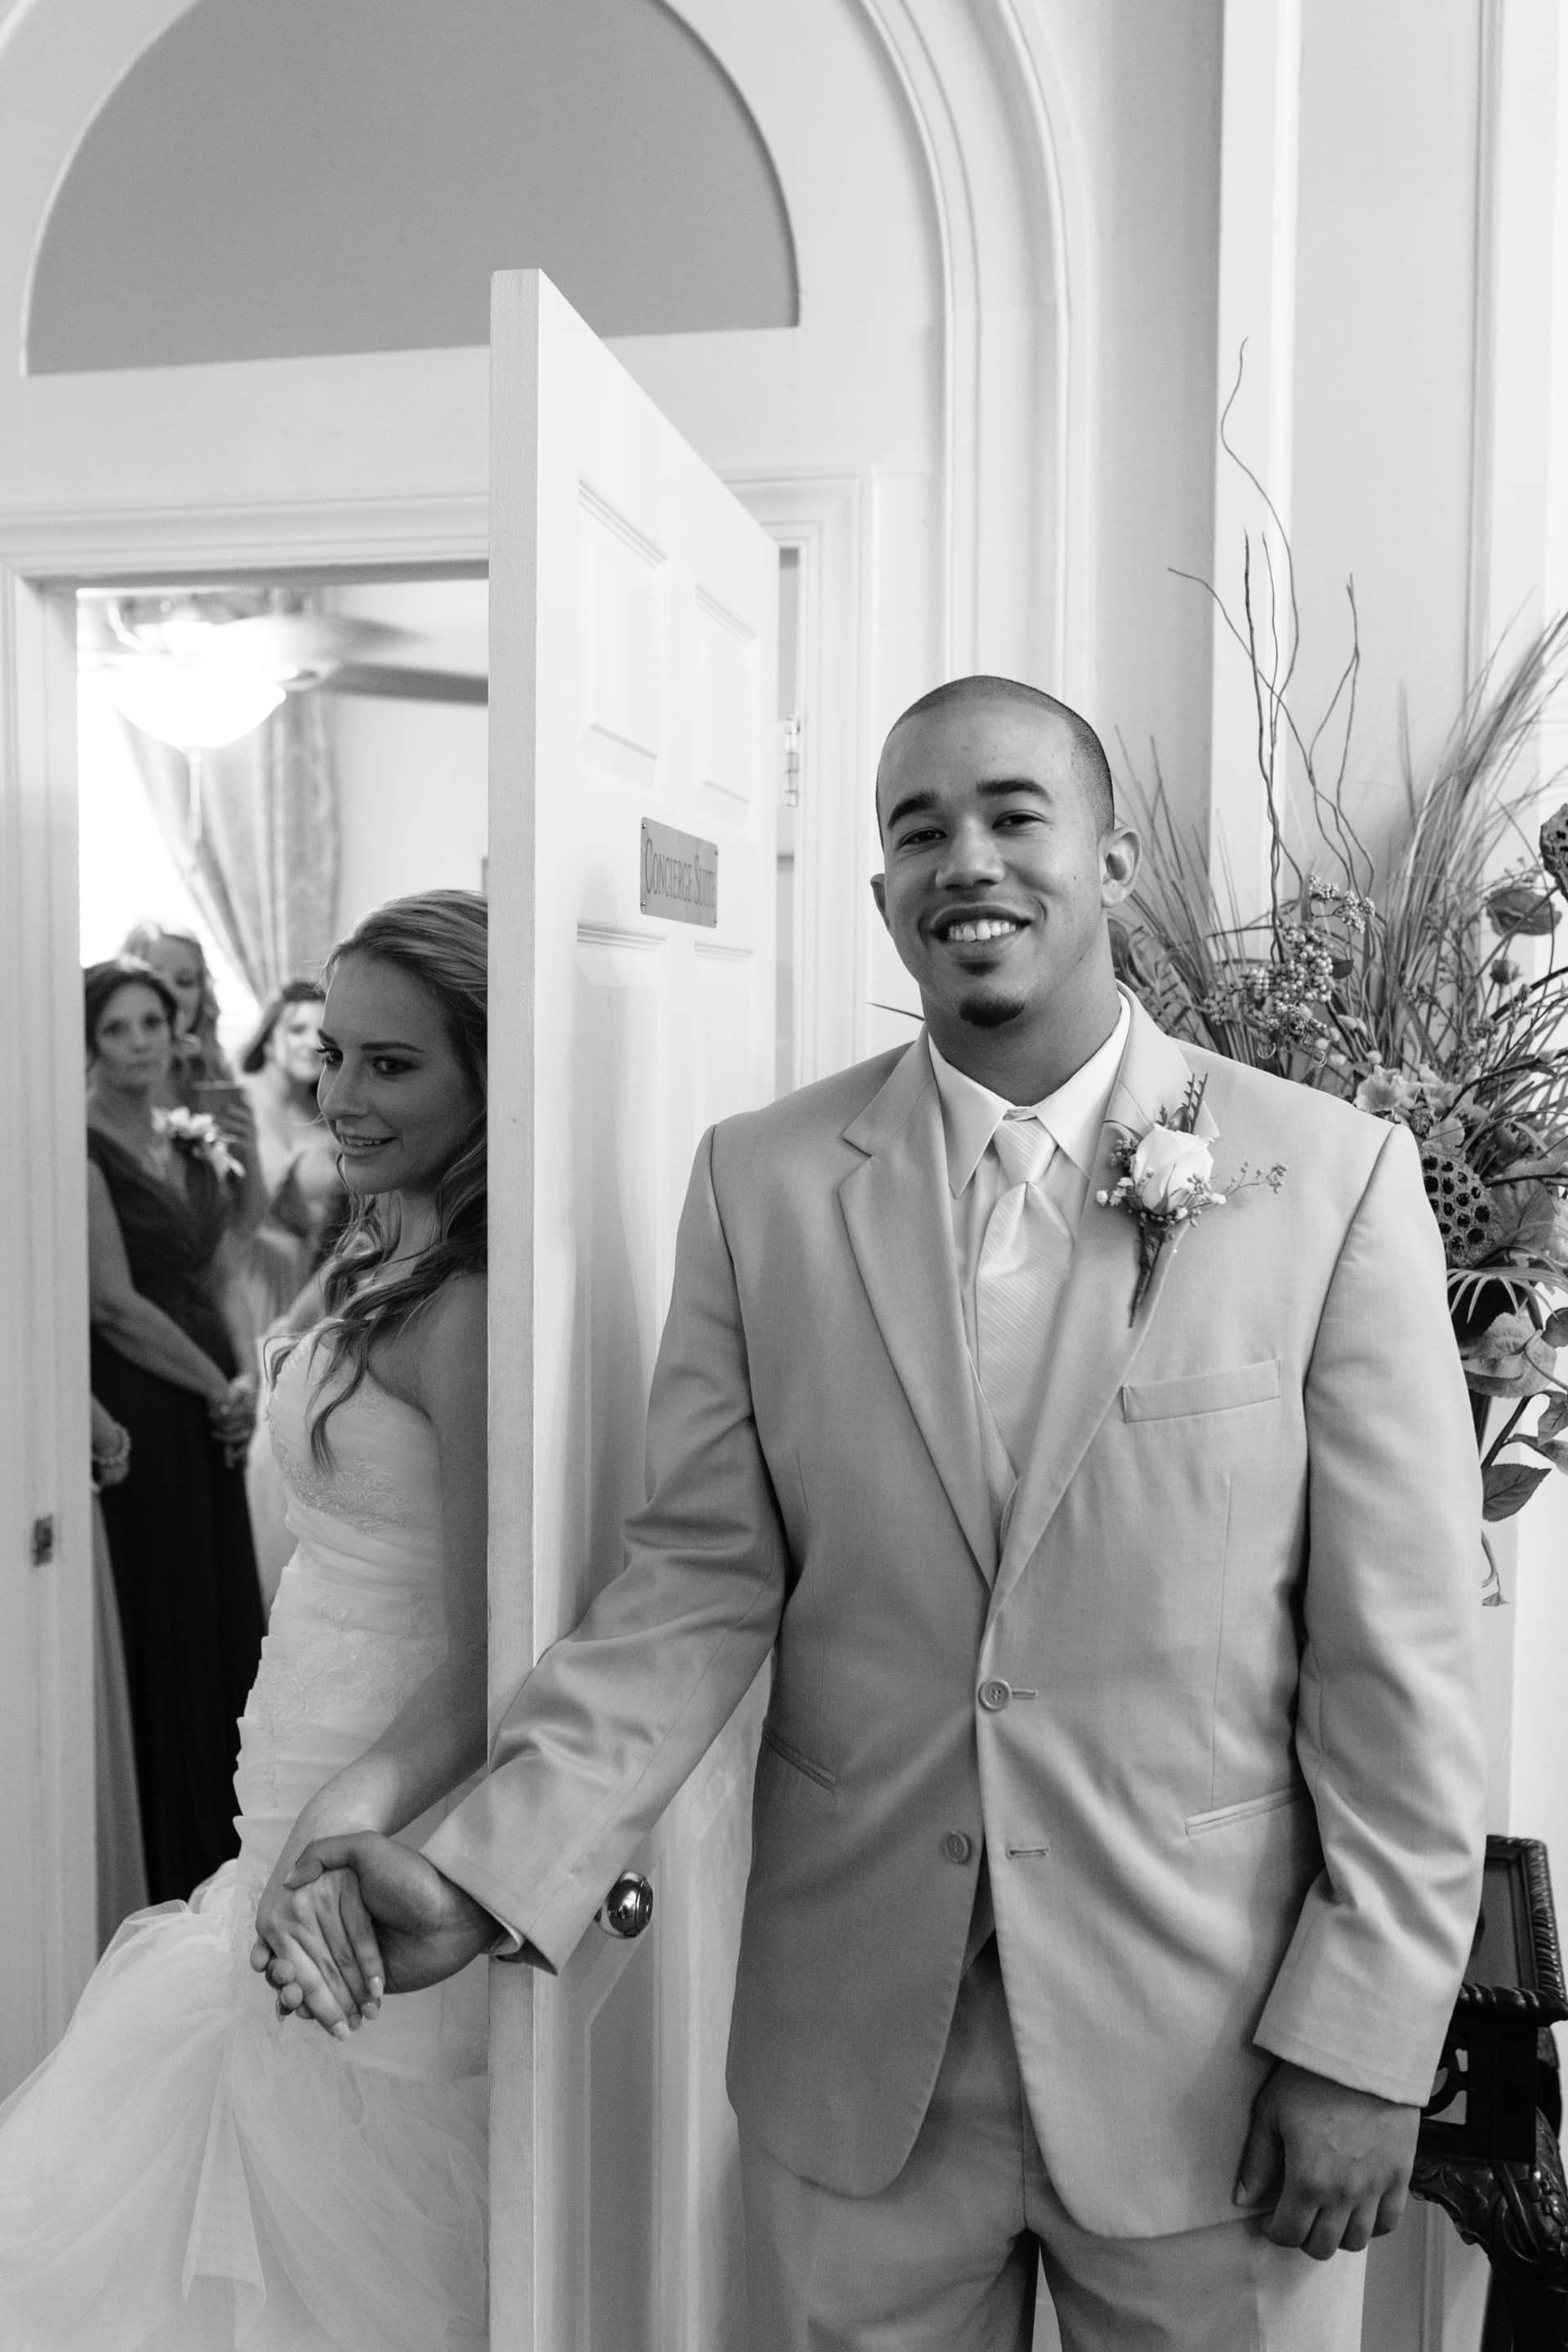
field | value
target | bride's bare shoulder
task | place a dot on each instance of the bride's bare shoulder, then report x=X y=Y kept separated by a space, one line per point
x=438 y=1356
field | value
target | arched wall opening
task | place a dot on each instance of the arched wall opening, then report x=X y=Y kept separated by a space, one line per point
x=333 y=175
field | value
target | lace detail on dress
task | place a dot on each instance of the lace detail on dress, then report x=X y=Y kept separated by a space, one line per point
x=363 y=1481
x=369 y=1675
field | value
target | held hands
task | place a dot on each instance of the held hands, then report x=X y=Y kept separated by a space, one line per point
x=412 y=1927
x=110 y=1448
x=232 y=1418
x=317 y=1946
x=1337 y=2160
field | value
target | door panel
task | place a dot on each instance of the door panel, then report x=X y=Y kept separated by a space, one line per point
x=633 y=626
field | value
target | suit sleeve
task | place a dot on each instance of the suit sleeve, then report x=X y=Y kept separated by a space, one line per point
x=1388 y=1728
x=614 y=1716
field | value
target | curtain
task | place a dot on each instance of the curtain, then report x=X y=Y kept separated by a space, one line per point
x=256 y=839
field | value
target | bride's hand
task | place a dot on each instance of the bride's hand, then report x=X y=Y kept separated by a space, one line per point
x=427 y=1927
x=316 y=1944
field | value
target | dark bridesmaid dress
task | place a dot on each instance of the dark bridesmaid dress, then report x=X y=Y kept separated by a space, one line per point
x=179 y=1537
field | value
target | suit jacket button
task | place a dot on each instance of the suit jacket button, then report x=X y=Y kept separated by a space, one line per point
x=993 y=1697
x=956 y=1846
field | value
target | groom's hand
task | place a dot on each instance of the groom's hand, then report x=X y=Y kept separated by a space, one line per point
x=427 y=1927
x=1336 y=2160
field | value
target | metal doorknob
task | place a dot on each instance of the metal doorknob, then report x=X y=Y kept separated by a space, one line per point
x=627 y=1908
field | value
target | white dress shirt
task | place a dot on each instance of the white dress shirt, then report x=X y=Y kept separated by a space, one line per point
x=971 y=1114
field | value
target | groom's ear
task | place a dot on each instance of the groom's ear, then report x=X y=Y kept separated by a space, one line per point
x=880 y=892
x=1120 y=856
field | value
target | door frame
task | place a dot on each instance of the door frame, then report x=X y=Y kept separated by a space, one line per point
x=822 y=517
x=47 y=1827
x=48 y=1838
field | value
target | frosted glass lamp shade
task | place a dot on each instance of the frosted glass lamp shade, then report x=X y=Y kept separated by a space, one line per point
x=195 y=707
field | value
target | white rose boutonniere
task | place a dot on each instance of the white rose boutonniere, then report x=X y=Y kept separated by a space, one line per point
x=1166 y=1184
x=1171 y=1171
x=198 y=1135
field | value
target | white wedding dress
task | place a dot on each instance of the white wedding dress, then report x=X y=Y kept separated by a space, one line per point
x=188 y=2173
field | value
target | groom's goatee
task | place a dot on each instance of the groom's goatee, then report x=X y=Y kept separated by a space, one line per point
x=990 y=1011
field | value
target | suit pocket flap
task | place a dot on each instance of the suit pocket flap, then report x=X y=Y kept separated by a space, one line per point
x=1222 y=1815
x=1215 y=1392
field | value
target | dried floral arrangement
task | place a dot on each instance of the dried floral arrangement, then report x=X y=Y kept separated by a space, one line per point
x=1426 y=989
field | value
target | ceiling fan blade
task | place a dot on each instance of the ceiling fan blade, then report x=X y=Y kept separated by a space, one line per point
x=281 y=641
x=396 y=682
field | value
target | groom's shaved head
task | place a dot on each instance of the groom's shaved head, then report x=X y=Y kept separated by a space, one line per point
x=1090 y=765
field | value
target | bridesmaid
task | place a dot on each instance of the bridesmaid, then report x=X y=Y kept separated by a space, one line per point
x=203 y=1078
x=306 y=1202
x=179 y=962
x=159 y=1204
x=306 y=1199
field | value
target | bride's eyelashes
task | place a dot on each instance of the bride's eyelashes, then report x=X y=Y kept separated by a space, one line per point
x=385 y=1065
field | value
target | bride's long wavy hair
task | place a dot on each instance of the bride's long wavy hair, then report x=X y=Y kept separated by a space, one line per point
x=440 y=940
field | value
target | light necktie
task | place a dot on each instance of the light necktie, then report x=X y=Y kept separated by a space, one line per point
x=1025 y=1260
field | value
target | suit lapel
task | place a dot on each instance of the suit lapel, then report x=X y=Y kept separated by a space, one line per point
x=896 y=1207
x=1095 y=1339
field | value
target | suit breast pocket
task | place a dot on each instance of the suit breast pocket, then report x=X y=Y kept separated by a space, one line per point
x=1247 y=1809
x=1228 y=1389
x=796 y=1760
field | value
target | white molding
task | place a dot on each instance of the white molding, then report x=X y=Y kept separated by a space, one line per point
x=46 y=1612
x=1488 y=78
x=72 y=55
x=825 y=516
x=445 y=534
x=1057 y=207
x=995 y=127
x=1258 y=193
x=1520 y=143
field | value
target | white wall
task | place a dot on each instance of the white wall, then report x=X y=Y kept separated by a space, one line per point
x=1385 y=327
x=411 y=775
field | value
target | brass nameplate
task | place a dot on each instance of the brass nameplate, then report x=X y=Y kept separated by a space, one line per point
x=679 y=875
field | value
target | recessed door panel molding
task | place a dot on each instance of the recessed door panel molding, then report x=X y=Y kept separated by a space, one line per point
x=728 y=712
x=621 y=647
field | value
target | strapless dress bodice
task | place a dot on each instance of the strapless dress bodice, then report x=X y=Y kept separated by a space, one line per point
x=359 y=1620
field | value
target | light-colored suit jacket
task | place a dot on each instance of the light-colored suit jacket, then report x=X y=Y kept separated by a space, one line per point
x=1211 y=1712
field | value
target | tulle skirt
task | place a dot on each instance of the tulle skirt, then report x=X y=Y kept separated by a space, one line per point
x=187 y=2173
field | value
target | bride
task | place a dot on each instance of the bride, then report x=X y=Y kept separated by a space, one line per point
x=189 y=2171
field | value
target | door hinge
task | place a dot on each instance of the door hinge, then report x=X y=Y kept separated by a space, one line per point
x=790 y=730
x=43 y=1546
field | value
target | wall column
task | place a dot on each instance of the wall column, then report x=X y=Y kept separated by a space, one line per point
x=1258 y=186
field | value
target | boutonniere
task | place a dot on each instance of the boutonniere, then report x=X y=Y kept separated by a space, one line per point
x=198 y=1135
x=1166 y=1184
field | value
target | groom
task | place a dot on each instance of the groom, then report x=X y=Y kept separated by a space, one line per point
x=1119 y=1819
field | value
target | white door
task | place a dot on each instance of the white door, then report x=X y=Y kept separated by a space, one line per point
x=632 y=627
